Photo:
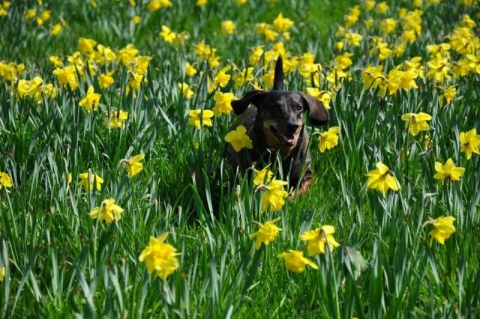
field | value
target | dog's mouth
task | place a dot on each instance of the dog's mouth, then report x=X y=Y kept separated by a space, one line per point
x=285 y=139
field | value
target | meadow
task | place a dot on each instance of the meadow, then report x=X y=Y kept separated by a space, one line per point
x=117 y=198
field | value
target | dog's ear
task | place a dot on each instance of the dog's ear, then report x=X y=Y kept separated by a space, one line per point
x=278 y=75
x=253 y=97
x=318 y=114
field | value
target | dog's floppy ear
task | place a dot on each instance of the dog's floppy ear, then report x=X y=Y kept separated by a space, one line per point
x=252 y=97
x=318 y=114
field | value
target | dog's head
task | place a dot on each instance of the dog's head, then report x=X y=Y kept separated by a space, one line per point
x=280 y=112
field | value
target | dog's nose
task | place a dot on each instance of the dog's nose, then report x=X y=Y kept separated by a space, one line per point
x=292 y=127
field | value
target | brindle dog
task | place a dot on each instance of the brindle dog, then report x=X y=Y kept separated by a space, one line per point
x=275 y=125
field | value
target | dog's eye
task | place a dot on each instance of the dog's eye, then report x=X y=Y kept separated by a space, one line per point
x=298 y=107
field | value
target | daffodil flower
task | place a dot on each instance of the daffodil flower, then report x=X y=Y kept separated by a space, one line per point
x=294 y=261
x=239 y=139
x=108 y=212
x=273 y=195
x=5 y=180
x=416 y=122
x=318 y=238
x=382 y=179
x=91 y=100
x=470 y=142
x=442 y=228
x=88 y=179
x=133 y=165
x=160 y=257
x=116 y=119
x=449 y=171
x=266 y=233
x=222 y=103
x=262 y=177
x=329 y=139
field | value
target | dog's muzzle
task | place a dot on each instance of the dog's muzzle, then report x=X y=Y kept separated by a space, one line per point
x=288 y=139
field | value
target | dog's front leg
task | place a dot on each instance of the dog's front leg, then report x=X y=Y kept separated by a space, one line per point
x=303 y=186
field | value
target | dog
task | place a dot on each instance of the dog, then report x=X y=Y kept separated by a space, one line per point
x=275 y=124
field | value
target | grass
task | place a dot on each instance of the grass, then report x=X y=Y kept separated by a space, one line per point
x=61 y=263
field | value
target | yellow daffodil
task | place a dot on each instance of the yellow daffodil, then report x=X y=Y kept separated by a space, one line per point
x=167 y=34
x=273 y=195
x=116 y=119
x=22 y=88
x=329 y=139
x=228 y=27
x=127 y=54
x=373 y=76
x=91 y=100
x=56 y=29
x=239 y=139
x=388 y=25
x=133 y=165
x=318 y=238
x=67 y=76
x=470 y=142
x=56 y=61
x=86 y=45
x=160 y=257
x=204 y=51
x=44 y=16
x=439 y=70
x=353 y=39
x=31 y=13
x=416 y=122
x=139 y=65
x=88 y=179
x=187 y=92
x=3 y=272
x=382 y=7
x=262 y=177
x=266 y=233
x=256 y=55
x=448 y=95
x=134 y=83
x=281 y=24
x=442 y=228
x=352 y=17
x=104 y=55
x=323 y=96
x=106 y=80
x=382 y=179
x=221 y=79
x=5 y=180
x=154 y=5
x=108 y=212
x=190 y=70
x=381 y=48
x=242 y=77
x=405 y=79
x=223 y=103
x=48 y=90
x=136 y=19
x=369 y=4
x=449 y=171
x=200 y=118
x=266 y=30
x=294 y=261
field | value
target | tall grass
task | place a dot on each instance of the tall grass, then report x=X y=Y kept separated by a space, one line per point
x=61 y=263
